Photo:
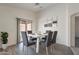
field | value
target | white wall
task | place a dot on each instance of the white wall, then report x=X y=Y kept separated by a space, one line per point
x=73 y=8
x=8 y=21
x=61 y=11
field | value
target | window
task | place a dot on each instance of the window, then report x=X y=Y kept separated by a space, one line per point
x=22 y=27
x=29 y=26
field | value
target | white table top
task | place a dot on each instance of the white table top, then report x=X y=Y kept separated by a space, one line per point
x=37 y=35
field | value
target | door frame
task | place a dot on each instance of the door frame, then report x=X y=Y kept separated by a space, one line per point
x=18 y=32
x=72 y=29
x=18 y=27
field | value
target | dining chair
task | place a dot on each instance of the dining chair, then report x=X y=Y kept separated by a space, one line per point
x=54 y=39
x=26 y=42
x=30 y=32
x=48 y=41
x=44 y=38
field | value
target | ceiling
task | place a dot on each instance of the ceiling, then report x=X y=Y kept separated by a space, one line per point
x=36 y=7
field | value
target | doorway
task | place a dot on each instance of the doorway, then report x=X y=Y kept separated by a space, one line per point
x=76 y=31
x=23 y=25
x=22 y=28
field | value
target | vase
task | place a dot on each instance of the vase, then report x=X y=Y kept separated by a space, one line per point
x=4 y=46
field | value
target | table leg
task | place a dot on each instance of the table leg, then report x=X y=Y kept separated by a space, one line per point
x=37 y=45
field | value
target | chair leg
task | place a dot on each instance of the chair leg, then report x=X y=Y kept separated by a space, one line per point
x=47 y=50
x=51 y=48
x=35 y=48
x=23 y=48
x=27 y=50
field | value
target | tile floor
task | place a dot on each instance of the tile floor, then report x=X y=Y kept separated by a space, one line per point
x=19 y=50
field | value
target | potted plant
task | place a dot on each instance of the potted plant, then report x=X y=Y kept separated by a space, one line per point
x=4 y=36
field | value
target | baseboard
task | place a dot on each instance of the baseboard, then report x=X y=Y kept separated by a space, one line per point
x=12 y=45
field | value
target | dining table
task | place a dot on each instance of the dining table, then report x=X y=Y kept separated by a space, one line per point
x=39 y=38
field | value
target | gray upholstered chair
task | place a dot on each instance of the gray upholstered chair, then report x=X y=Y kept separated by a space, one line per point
x=54 y=39
x=48 y=41
x=27 y=42
x=30 y=32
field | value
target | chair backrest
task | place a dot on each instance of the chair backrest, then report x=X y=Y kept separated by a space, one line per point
x=54 y=37
x=49 y=38
x=25 y=38
x=47 y=31
x=29 y=32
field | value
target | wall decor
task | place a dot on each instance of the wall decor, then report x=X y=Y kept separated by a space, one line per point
x=45 y=25
x=48 y=25
x=54 y=22
x=51 y=21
